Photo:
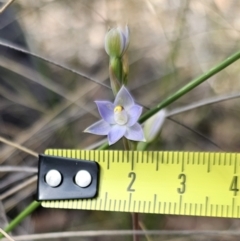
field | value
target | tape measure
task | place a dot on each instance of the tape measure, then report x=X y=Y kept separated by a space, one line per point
x=180 y=183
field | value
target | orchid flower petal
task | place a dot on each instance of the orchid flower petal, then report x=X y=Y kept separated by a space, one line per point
x=125 y=31
x=135 y=133
x=106 y=110
x=99 y=128
x=116 y=133
x=124 y=98
x=153 y=125
x=134 y=113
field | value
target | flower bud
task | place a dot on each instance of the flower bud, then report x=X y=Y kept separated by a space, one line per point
x=117 y=41
x=153 y=125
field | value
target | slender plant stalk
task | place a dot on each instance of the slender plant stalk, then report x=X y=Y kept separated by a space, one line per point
x=19 y=147
x=6 y=235
x=126 y=144
x=28 y=210
x=6 y=6
x=135 y=226
x=142 y=226
x=191 y=85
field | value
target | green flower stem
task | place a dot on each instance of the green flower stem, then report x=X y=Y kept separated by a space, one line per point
x=104 y=146
x=126 y=144
x=116 y=65
x=115 y=73
x=142 y=146
x=191 y=85
x=28 y=210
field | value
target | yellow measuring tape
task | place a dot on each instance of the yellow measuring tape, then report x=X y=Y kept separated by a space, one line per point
x=181 y=183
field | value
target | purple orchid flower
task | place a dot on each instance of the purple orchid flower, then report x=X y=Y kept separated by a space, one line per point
x=118 y=119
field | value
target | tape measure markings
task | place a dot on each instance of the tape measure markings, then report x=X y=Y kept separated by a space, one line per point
x=197 y=159
x=206 y=206
x=238 y=211
x=216 y=160
x=180 y=204
x=144 y=205
x=203 y=155
x=105 y=201
x=115 y=163
x=154 y=201
x=211 y=209
x=182 y=167
x=233 y=206
x=209 y=163
x=225 y=159
x=165 y=158
x=190 y=208
x=130 y=158
x=129 y=201
x=235 y=164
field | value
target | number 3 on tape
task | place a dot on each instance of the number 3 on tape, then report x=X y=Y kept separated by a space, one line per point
x=180 y=183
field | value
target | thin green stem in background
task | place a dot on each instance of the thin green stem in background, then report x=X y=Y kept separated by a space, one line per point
x=28 y=210
x=191 y=85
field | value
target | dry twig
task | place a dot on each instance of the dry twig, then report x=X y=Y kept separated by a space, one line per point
x=6 y=235
x=4 y=7
x=97 y=233
x=19 y=147
x=18 y=187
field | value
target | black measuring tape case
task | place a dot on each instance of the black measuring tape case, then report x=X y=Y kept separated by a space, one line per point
x=67 y=169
